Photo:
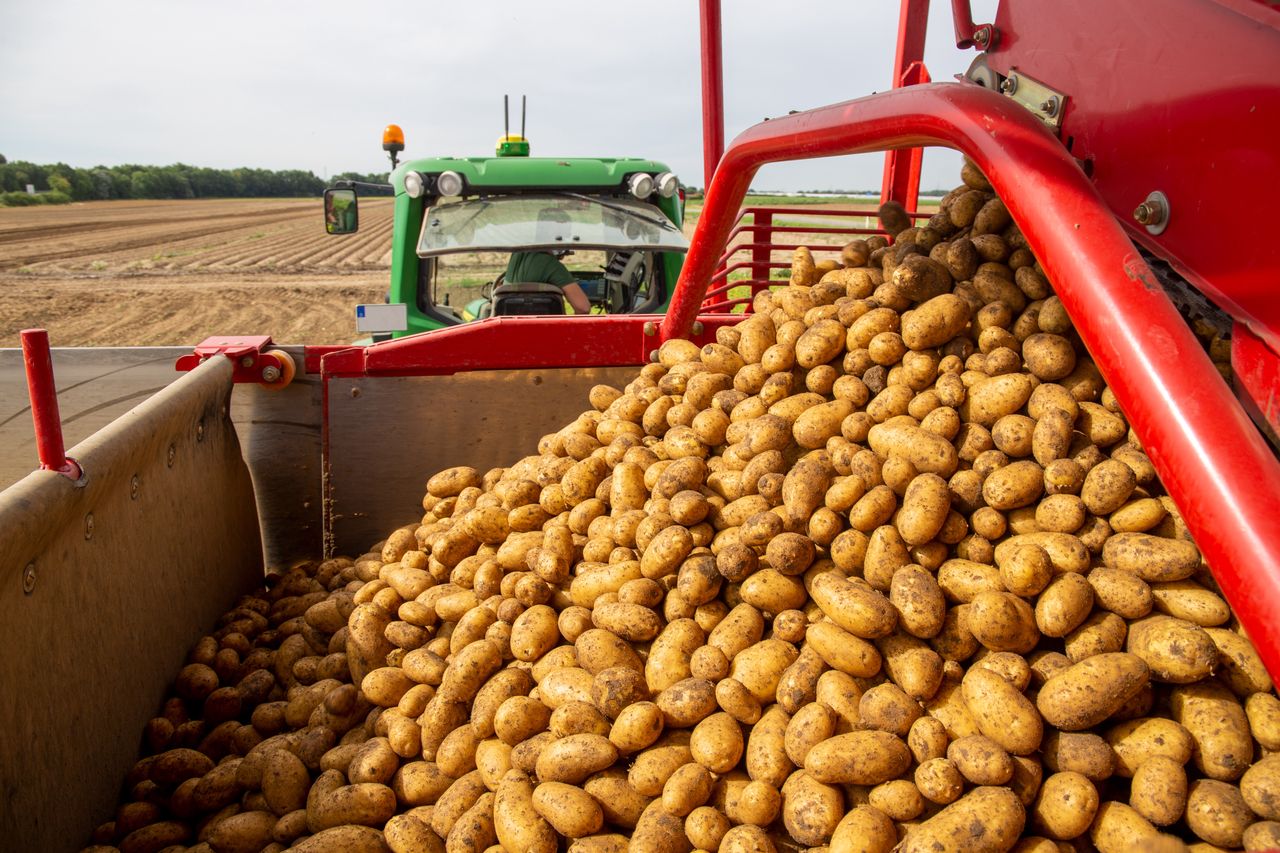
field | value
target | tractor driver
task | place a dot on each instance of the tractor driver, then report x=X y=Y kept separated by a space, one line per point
x=542 y=266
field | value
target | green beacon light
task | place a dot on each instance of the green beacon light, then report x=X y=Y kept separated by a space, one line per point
x=510 y=145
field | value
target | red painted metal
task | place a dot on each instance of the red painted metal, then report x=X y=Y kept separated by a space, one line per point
x=249 y=354
x=1181 y=96
x=513 y=343
x=969 y=34
x=1215 y=464
x=44 y=405
x=712 y=87
x=1257 y=370
x=901 y=181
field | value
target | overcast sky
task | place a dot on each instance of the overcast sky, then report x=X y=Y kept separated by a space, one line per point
x=310 y=85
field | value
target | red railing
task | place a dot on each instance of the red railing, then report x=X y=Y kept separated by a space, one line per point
x=761 y=251
x=1210 y=457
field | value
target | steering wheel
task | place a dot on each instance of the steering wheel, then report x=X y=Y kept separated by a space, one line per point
x=622 y=301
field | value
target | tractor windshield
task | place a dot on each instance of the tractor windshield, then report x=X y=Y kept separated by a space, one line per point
x=560 y=221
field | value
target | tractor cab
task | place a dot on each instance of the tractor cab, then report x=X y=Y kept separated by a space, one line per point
x=477 y=237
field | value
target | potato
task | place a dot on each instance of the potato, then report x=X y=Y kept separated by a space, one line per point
x=863 y=829
x=717 y=743
x=980 y=760
x=1079 y=752
x=858 y=758
x=935 y=321
x=1217 y=813
x=857 y=608
x=1189 y=600
x=986 y=818
x=572 y=759
x=1218 y=727
x=1263 y=712
x=1063 y=605
x=1118 y=829
x=1015 y=485
x=939 y=780
x=571 y=811
x=914 y=591
x=1002 y=622
x=924 y=509
x=1088 y=692
x=1159 y=790
x=928 y=453
x=1065 y=806
x=1151 y=558
x=405 y=834
x=1121 y=592
x=1239 y=663
x=1002 y=713
x=349 y=839
x=516 y=821
x=840 y=650
x=1175 y=650
x=811 y=810
x=1260 y=787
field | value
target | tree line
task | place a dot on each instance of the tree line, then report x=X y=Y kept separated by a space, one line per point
x=60 y=183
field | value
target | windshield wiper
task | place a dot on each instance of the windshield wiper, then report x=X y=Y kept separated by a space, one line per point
x=639 y=214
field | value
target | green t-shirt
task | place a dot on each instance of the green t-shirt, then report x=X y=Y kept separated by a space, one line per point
x=537 y=267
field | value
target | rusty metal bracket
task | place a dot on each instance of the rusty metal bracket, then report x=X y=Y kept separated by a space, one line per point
x=1047 y=104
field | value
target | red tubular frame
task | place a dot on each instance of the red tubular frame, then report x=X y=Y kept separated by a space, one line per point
x=712 y=88
x=1211 y=458
x=44 y=404
x=901 y=181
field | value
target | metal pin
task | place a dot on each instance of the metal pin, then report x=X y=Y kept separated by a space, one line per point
x=88 y=526
x=133 y=488
x=173 y=453
x=29 y=578
x=650 y=328
x=698 y=328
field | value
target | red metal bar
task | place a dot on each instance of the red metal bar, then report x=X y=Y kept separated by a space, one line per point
x=901 y=182
x=712 y=88
x=969 y=34
x=760 y=256
x=1211 y=458
x=512 y=343
x=44 y=404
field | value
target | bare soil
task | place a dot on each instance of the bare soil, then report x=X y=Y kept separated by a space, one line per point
x=175 y=272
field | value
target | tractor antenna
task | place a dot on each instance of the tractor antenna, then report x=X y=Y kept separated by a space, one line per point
x=506 y=119
x=523 y=99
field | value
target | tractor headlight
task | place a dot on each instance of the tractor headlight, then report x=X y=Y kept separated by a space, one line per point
x=448 y=183
x=413 y=184
x=641 y=185
x=667 y=184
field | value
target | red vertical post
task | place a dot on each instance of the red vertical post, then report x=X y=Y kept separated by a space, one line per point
x=712 y=89
x=761 y=255
x=44 y=404
x=901 y=181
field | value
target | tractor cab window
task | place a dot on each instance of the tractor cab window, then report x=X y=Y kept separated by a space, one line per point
x=552 y=222
x=612 y=247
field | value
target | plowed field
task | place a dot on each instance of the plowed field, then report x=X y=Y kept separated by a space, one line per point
x=174 y=272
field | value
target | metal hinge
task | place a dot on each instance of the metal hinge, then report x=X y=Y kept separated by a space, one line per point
x=1047 y=104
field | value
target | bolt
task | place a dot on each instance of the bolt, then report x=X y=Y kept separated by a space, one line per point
x=650 y=329
x=1150 y=212
x=981 y=37
x=698 y=328
x=246 y=361
x=133 y=488
x=1009 y=85
x=200 y=431
x=88 y=526
x=1050 y=107
x=29 y=578
x=173 y=453
x=653 y=356
x=270 y=374
x=355 y=392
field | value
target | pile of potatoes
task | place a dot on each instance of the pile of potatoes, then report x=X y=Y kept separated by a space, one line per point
x=882 y=568
x=274 y=673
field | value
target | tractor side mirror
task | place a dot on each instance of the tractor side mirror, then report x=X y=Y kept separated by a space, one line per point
x=341 y=215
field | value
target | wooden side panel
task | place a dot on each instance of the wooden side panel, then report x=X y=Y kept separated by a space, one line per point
x=130 y=567
x=388 y=435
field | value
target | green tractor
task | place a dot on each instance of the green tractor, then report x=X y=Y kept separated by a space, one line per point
x=478 y=237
